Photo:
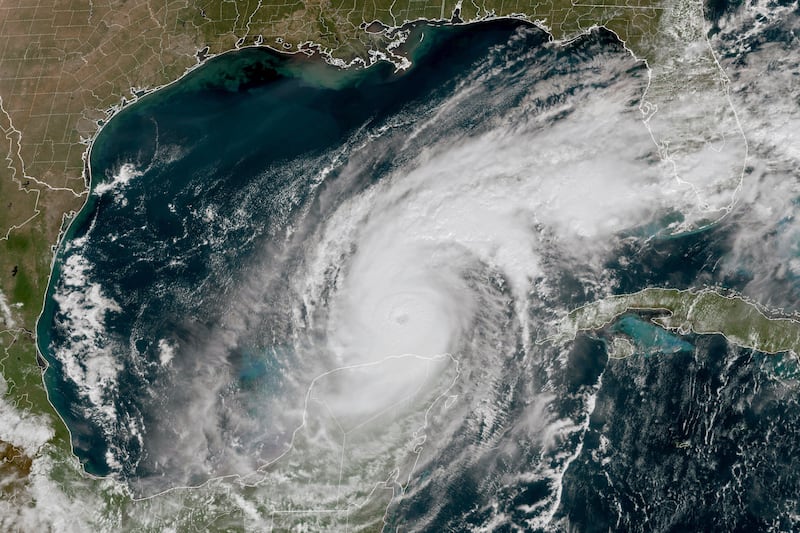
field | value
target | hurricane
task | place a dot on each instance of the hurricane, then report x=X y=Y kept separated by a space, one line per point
x=349 y=295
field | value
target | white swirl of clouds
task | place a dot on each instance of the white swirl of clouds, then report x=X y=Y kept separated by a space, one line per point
x=421 y=288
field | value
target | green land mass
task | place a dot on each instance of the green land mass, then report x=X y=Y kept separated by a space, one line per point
x=705 y=311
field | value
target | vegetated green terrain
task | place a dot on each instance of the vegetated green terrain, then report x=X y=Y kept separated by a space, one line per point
x=702 y=311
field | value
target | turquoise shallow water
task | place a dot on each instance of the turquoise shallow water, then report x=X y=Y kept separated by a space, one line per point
x=649 y=339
